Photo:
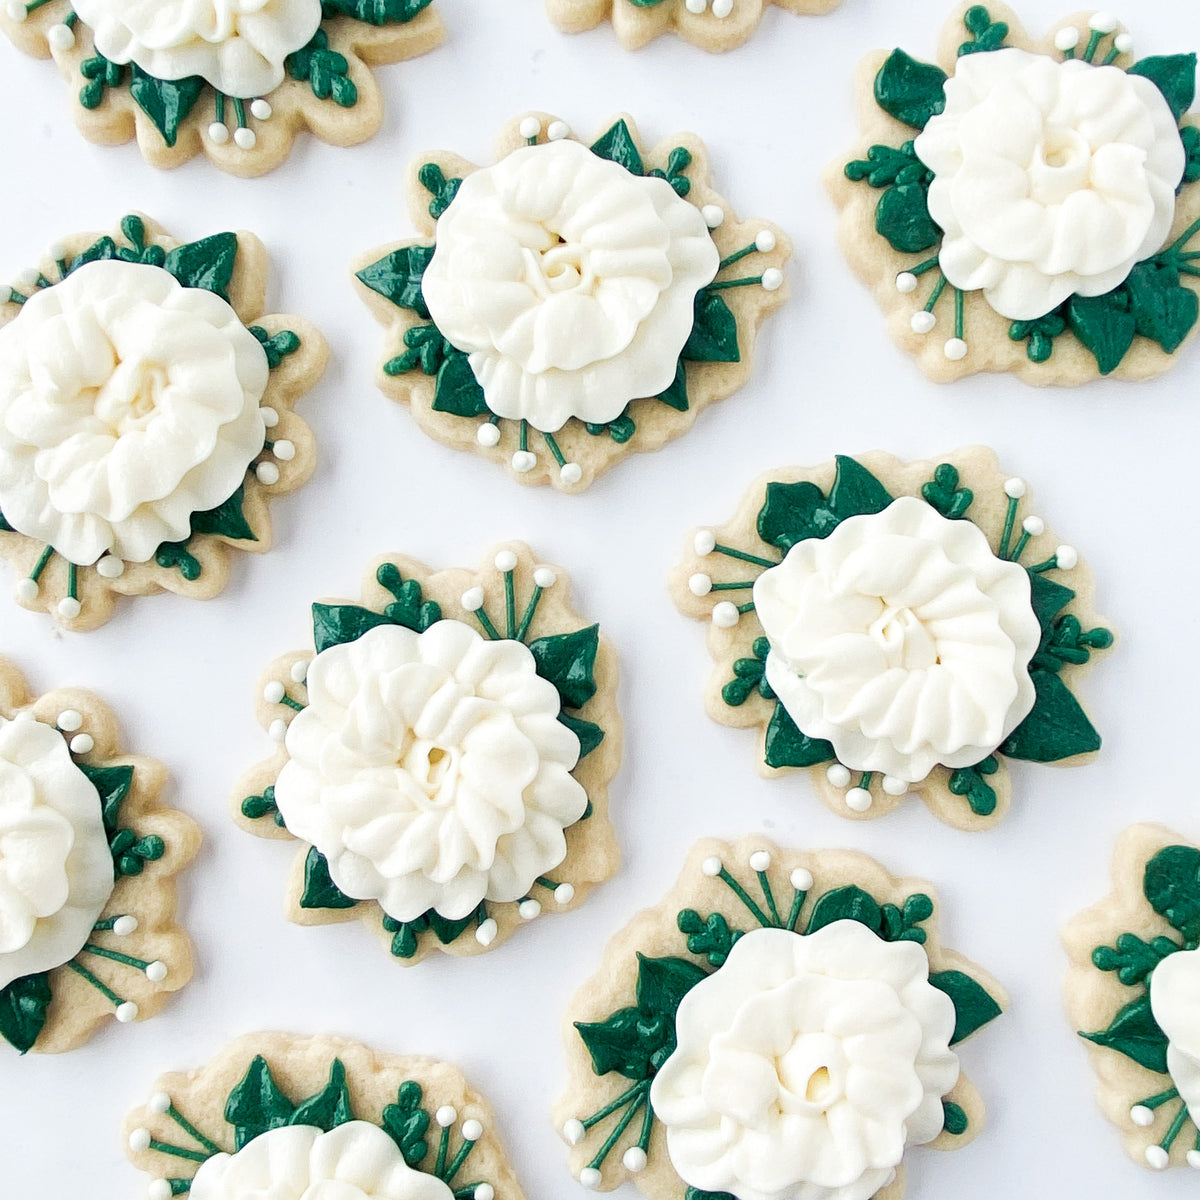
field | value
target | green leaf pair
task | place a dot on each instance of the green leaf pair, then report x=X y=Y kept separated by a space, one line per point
x=256 y=1105
x=794 y=512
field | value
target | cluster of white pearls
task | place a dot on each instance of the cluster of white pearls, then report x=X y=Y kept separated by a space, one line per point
x=1156 y=1156
x=859 y=799
x=243 y=137
x=1066 y=557
x=531 y=127
x=720 y=8
x=924 y=320
x=725 y=614
x=267 y=472
x=1069 y=36
x=70 y=721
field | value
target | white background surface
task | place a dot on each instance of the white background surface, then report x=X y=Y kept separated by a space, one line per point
x=1111 y=466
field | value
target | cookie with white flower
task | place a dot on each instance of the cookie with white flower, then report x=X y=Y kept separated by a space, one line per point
x=146 y=417
x=88 y=859
x=1133 y=992
x=897 y=628
x=235 y=80
x=573 y=302
x=445 y=751
x=782 y=1024
x=294 y=1117
x=714 y=25
x=1028 y=205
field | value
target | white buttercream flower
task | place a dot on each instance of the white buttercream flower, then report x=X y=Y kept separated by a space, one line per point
x=1175 y=1002
x=568 y=281
x=902 y=639
x=127 y=403
x=56 y=871
x=1050 y=178
x=431 y=769
x=237 y=45
x=805 y=1065
x=354 y=1161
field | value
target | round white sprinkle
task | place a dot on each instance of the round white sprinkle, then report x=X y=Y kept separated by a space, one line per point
x=83 y=743
x=506 y=560
x=570 y=473
x=139 y=1140
x=635 y=1157
x=60 y=37
x=801 y=879
x=1067 y=38
x=124 y=926
x=589 y=1176
x=529 y=909
x=278 y=729
x=725 y=614
x=26 y=590
x=530 y=127
x=556 y=131
x=485 y=935
x=446 y=1116
x=270 y=418
x=695 y=6
x=244 y=138
x=472 y=599
x=485 y=1191
x=159 y=1102
x=16 y=10
x=127 y=1012
x=893 y=786
x=711 y=866
x=1141 y=1116
x=28 y=279
x=218 y=133
x=524 y=460
x=760 y=860
x=1124 y=43
x=274 y=692
x=704 y=542
x=1034 y=526
x=1014 y=488
x=700 y=584
x=267 y=473
x=955 y=349
x=488 y=434
x=260 y=109
x=573 y=1132
x=722 y=8
x=1193 y=1159
x=858 y=799
x=772 y=279
x=713 y=214
x=838 y=775
x=906 y=282
x=156 y=972
x=110 y=567
x=285 y=451
x=1156 y=1156
x=58 y=250
x=69 y=720
x=472 y=1130
x=1102 y=22
x=922 y=322
x=69 y=608
x=564 y=893
x=299 y=671
x=765 y=242
x=160 y=1189
x=544 y=577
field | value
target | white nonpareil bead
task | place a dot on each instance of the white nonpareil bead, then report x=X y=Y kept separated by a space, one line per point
x=725 y=614
x=506 y=561
x=530 y=127
x=760 y=860
x=838 y=775
x=446 y=1116
x=573 y=1132
x=923 y=322
x=704 y=542
x=544 y=577
x=700 y=584
x=858 y=800
x=713 y=215
x=70 y=720
x=488 y=434
x=801 y=879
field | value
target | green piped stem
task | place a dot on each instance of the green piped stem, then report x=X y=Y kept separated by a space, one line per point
x=178 y=1151
x=745 y=608
x=1158 y=1101
x=467 y=1191
x=865 y=781
x=72 y=581
x=239 y=111
x=457 y=1161
x=40 y=565
x=530 y=609
x=618 y=1129
x=922 y=267
x=543 y=881
x=1110 y=57
x=486 y=621
x=1093 y=45
x=612 y=1107
x=733 y=552
x=126 y=960
x=294 y=705
x=523 y=437
x=106 y=924
x=798 y=898
x=1019 y=548
x=738 y=586
x=745 y=897
x=745 y=281
x=552 y=445
x=958 y=313
x=647 y=1129
x=765 y=884
x=443 y=1149
x=936 y=294
x=220 y=113
x=192 y=1131
x=1176 y=1127
x=1010 y=520
x=99 y=985
x=510 y=605
x=737 y=256
x=1050 y=564
x=1186 y=236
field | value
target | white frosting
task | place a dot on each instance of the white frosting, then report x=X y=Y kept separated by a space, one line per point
x=568 y=281
x=1050 y=178
x=354 y=1161
x=805 y=1065
x=127 y=403
x=902 y=639
x=1175 y=1002
x=237 y=45
x=431 y=769
x=56 y=872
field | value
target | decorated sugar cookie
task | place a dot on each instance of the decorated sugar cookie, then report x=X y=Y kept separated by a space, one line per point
x=897 y=628
x=569 y=304
x=781 y=1025
x=234 y=80
x=1133 y=992
x=88 y=859
x=1028 y=205
x=710 y=24
x=445 y=751
x=145 y=417
x=300 y=1118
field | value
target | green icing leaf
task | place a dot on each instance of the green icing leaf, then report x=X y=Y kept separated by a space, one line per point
x=256 y=1105
x=1135 y=1033
x=1039 y=335
x=206 y=264
x=971 y=783
x=986 y=34
x=628 y=1042
x=23 y=1005
x=714 y=336
x=1174 y=75
x=974 y=1007
x=406 y=1123
x=785 y=746
x=327 y=71
x=1056 y=728
x=1163 y=309
x=909 y=90
x=406 y=935
x=618 y=145
x=1190 y=136
x=175 y=554
x=847 y=903
x=1047 y=598
x=1104 y=325
x=131 y=853
x=710 y=937
x=1172 y=886
x=397 y=277
x=793 y=512
x=409 y=608
x=226 y=520
x=590 y=734
x=663 y=982
x=5 y=527
x=1132 y=959
x=166 y=102
x=113 y=784
x=749 y=675
x=902 y=216
x=954 y=1118
x=568 y=660
x=330 y=1107
x=100 y=250
x=677 y=394
x=443 y=190
x=696 y=1194
x=943 y=493
x=375 y=12
x=885 y=165
x=335 y=624
x=99 y=74
x=457 y=391
x=856 y=491
x=319 y=889
x=276 y=347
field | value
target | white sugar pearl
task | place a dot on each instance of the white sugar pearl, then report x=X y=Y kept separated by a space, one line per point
x=1124 y=43
x=218 y=134
x=260 y=109
x=529 y=909
x=1156 y=1157
x=26 y=590
x=760 y=860
x=60 y=38
x=564 y=893
x=589 y=1176
x=893 y=786
x=523 y=461
x=124 y=926
x=570 y=473
x=139 y=1141
x=244 y=138
x=285 y=451
x=530 y=127
x=1141 y=1116
x=858 y=799
x=1034 y=526
x=69 y=608
x=159 y=1102
x=506 y=560
x=722 y=8
x=1193 y=1159
x=472 y=599
x=446 y=1116
x=704 y=542
x=725 y=615
x=906 y=282
x=159 y=1189
x=634 y=1159
x=156 y=972
x=556 y=131
x=573 y=1132
x=700 y=584
x=472 y=1131
x=772 y=279
x=765 y=242
x=544 y=577
x=838 y=775
x=110 y=567
x=273 y=693
x=695 y=6
x=801 y=879
x=267 y=473
x=711 y=866
x=1014 y=488
x=1067 y=38
x=1102 y=22
x=955 y=349
x=127 y=1012
x=28 y=279
x=485 y=935
x=83 y=743
x=16 y=10
x=69 y=720
x=58 y=250
x=488 y=434
x=270 y=418
x=485 y=1191
x=713 y=214
x=299 y=671
x=922 y=322
x=277 y=730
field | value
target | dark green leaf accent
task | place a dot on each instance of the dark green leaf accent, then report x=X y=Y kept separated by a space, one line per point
x=909 y=90
x=944 y=494
x=749 y=675
x=677 y=394
x=710 y=937
x=406 y=935
x=100 y=250
x=986 y=33
x=5 y=527
x=113 y=784
x=330 y=1107
x=696 y=1194
x=406 y=1123
x=226 y=520
x=885 y=165
x=954 y=1118
x=902 y=216
x=1056 y=728
x=327 y=71
x=131 y=853
x=1190 y=137
x=99 y=75
x=1047 y=598
x=628 y=1042
x=256 y=1105
x=785 y=746
x=23 y=1005
x=1039 y=335
x=590 y=734
x=457 y=391
x=424 y=348
x=256 y=807
x=663 y=982
x=618 y=145
x=375 y=12
x=856 y=491
x=1174 y=75
x=176 y=554
x=645 y=3
x=974 y=1007
x=1104 y=325
x=714 y=336
x=847 y=903
x=443 y=190
x=397 y=277
x=1172 y=886
x=792 y=512
x=1132 y=959
x=1163 y=309
x=319 y=889
x=568 y=660
x=206 y=264
x=971 y=783
x=276 y=347
x=167 y=102
x=1135 y=1033
x=1069 y=642
x=335 y=624
x=408 y=608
